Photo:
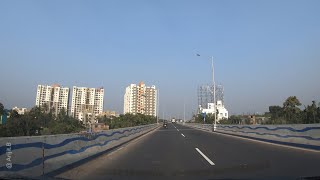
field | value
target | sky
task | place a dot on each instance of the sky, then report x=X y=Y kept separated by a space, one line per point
x=264 y=51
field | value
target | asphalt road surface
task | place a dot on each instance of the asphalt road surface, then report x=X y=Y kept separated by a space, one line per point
x=181 y=152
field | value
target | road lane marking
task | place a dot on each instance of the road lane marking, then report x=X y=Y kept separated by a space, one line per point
x=182 y=135
x=205 y=157
x=177 y=129
x=253 y=140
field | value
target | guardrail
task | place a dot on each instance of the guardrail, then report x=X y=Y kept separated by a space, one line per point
x=298 y=135
x=40 y=155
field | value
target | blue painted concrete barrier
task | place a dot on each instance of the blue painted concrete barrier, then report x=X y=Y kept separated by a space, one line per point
x=299 y=135
x=39 y=155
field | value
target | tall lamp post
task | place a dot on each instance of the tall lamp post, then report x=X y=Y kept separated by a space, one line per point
x=184 y=111
x=158 y=103
x=214 y=96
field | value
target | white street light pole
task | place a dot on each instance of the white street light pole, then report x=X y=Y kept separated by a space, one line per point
x=158 y=106
x=214 y=97
x=163 y=118
x=184 y=111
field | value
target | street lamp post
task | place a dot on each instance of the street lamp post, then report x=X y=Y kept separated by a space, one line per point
x=158 y=108
x=184 y=111
x=214 y=97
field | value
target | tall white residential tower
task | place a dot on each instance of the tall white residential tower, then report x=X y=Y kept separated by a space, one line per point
x=140 y=99
x=54 y=97
x=86 y=101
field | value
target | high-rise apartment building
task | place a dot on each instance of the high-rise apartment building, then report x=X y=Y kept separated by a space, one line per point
x=140 y=99
x=54 y=97
x=86 y=102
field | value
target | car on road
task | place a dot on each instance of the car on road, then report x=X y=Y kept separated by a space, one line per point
x=173 y=120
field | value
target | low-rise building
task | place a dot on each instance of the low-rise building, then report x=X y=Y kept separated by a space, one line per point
x=109 y=114
x=222 y=111
x=20 y=111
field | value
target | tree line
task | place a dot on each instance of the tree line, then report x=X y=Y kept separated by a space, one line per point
x=208 y=119
x=127 y=120
x=291 y=112
x=41 y=121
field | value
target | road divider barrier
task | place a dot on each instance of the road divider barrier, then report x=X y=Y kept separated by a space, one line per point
x=298 y=135
x=41 y=155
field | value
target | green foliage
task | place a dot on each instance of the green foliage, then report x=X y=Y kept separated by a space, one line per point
x=1 y=108
x=311 y=114
x=232 y=120
x=64 y=124
x=290 y=113
x=40 y=121
x=291 y=110
x=37 y=122
x=127 y=120
x=225 y=121
x=236 y=119
x=209 y=119
x=275 y=111
x=18 y=125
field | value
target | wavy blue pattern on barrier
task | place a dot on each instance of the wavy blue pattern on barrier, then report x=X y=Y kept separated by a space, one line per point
x=18 y=167
x=274 y=129
x=36 y=162
x=277 y=135
x=63 y=143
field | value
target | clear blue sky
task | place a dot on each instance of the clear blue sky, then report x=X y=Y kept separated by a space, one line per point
x=264 y=51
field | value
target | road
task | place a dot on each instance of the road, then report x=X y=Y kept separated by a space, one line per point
x=181 y=152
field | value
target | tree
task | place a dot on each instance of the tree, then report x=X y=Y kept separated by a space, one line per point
x=310 y=113
x=235 y=119
x=14 y=114
x=291 y=110
x=209 y=118
x=25 y=125
x=45 y=108
x=1 y=108
x=128 y=120
x=276 y=112
x=64 y=124
x=39 y=121
x=318 y=114
x=313 y=111
x=62 y=115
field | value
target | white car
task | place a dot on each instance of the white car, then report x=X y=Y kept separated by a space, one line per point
x=173 y=120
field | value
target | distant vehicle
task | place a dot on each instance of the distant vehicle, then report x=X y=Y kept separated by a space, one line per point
x=165 y=124
x=173 y=120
